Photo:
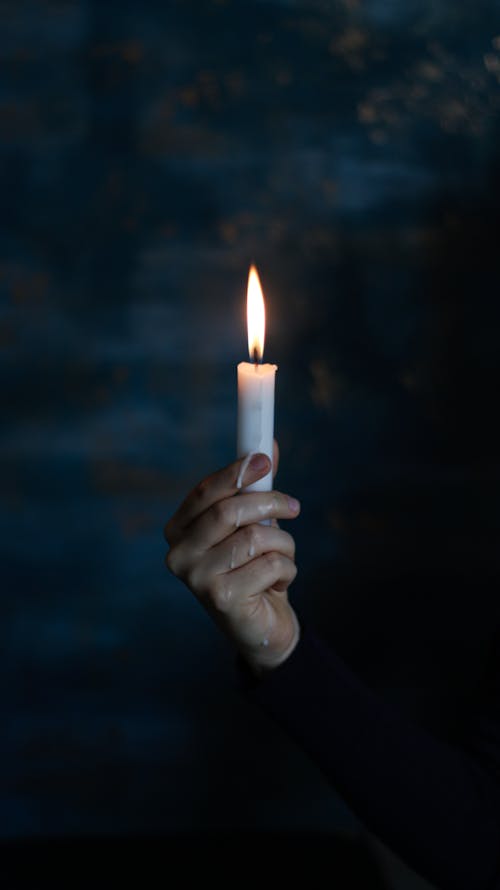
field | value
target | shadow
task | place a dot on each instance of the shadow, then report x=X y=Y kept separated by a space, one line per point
x=249 y=861
x=410 y=597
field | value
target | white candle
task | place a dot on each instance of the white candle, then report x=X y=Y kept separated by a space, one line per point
x=256 y=388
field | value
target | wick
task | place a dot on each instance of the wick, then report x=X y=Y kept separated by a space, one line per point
x=255 y=358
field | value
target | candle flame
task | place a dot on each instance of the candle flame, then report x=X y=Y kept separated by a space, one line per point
x=256 y=316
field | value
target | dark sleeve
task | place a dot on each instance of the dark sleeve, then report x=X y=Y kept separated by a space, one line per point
x=435 y=805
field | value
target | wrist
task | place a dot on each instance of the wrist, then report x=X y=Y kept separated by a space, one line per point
x=262 y=662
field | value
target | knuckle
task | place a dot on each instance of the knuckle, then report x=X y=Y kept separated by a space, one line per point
x=220 y=594
x=176 y=562
x=188 y=572
x=288 y=544
x=191 y=577
x=273 y=561
x=171 y=561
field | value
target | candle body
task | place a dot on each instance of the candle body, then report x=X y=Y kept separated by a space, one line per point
x=256 y=415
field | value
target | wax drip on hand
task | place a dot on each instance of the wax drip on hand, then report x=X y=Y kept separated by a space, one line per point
x=233 y=557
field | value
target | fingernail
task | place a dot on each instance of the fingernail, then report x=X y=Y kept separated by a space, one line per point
x=259 y=462
x=294 y=505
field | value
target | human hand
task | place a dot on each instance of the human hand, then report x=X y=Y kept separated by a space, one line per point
x=237 y=568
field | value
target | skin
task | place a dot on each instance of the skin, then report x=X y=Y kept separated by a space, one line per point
x=239 y=570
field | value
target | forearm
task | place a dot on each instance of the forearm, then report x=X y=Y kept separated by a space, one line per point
x=432 y=804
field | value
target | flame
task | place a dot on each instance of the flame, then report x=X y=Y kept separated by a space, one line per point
x=256 y=316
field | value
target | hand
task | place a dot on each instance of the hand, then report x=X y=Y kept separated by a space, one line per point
x=238 y=569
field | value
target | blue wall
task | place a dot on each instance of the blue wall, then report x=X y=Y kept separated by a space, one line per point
x=148 y=153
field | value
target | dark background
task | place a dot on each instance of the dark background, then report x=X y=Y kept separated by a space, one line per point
x=148 y=153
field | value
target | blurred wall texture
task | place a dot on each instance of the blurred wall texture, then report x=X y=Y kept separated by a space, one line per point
x=148 y=153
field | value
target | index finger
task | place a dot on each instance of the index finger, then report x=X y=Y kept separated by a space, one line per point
x=216 y=487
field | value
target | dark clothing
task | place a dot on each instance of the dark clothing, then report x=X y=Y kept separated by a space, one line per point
x=436 y=805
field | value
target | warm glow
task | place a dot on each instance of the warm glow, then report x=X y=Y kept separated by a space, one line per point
x=256 y=316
